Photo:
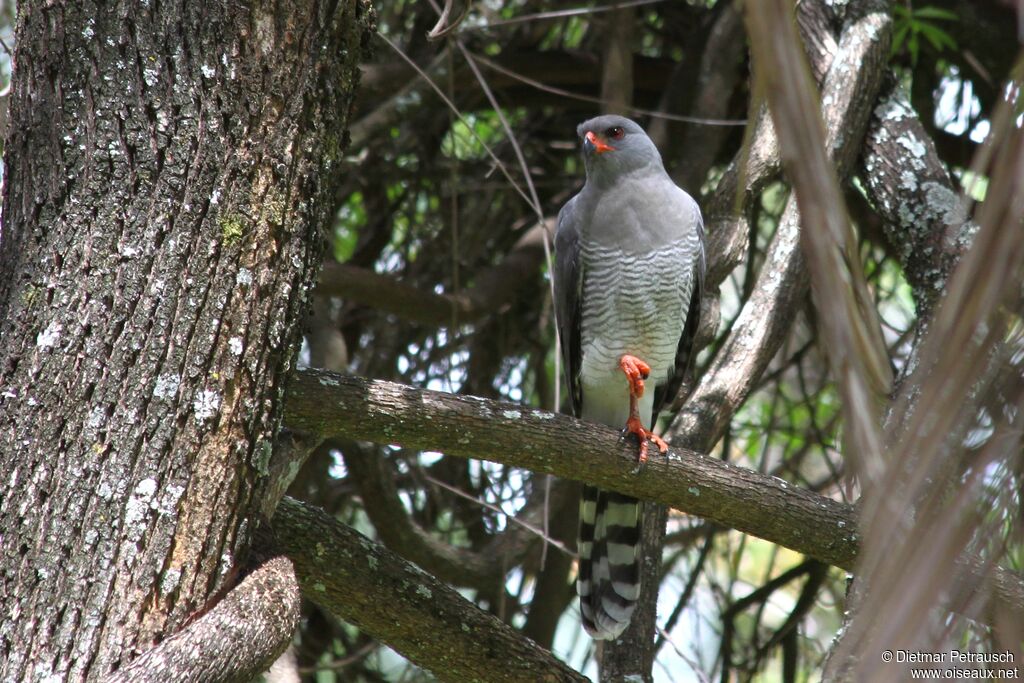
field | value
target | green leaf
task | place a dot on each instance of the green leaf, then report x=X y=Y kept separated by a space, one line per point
x=899 y=37
x=935 y=13
x=937 y=37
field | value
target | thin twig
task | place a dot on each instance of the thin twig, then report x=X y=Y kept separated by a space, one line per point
x=561 y=14
x=345 y=662
x=493 y=508
x=666 y=637
x=451 y=105
x=597 y=100
x=440 y=30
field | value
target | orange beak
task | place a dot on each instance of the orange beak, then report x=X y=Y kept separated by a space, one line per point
x=599 y=145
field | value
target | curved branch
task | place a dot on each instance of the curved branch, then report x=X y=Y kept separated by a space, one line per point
x=426 y=621
x=847 y=317
x=239 y=637
x=450 y=563
x=782 y=281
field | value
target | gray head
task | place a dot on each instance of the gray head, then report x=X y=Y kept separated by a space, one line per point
x=614 y=146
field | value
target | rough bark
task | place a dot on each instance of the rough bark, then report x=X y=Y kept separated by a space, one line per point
x=923 y=216
x=366 y=584
x=168 y=175
x=236 y=640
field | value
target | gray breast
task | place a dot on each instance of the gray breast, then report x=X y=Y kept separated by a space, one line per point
x=634 y=303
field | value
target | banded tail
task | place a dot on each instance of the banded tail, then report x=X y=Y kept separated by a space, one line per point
x=609 y=569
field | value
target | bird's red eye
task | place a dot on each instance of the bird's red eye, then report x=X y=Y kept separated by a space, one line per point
x=615 y=132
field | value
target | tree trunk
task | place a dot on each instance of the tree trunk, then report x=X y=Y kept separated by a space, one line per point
x=169 y=173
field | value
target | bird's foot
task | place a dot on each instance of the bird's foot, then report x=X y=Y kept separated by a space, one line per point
x=636 y=372
x=634 y=426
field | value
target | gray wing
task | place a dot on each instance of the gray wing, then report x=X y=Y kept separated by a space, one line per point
x=568 y=279
x=686 y=354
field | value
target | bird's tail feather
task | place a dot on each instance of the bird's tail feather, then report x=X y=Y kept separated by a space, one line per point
x=609 y=569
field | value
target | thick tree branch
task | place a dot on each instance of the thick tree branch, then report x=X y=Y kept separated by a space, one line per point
x=240 y=637
x=426 y=621
x=758 y=163
x=911 y=190
x=327 y=404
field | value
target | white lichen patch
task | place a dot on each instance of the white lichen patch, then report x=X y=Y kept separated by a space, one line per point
x=170 y=581
x=912 y=145
x=208 y=71
x=694 y=491
x=942 y=202
x=104 y=492
x=244 y=277
x=327 y=381
x=151 y=75
x=49 y=337
x=166 y=386
x=512 y=414
x=908 y=181
x=139 y=502
x=896 y=108
x=235 y=346
x=172 y=493
x=424 y=592
x=205 y=405
x=97 y=418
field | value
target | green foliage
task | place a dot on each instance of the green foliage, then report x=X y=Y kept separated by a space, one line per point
x=351 y=217
x=466 y=140
x=911 y=26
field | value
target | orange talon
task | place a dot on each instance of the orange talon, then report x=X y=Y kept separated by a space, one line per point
x=636 y=372
x=634 y=426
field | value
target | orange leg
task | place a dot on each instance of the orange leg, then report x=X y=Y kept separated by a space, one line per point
x=636 y=372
